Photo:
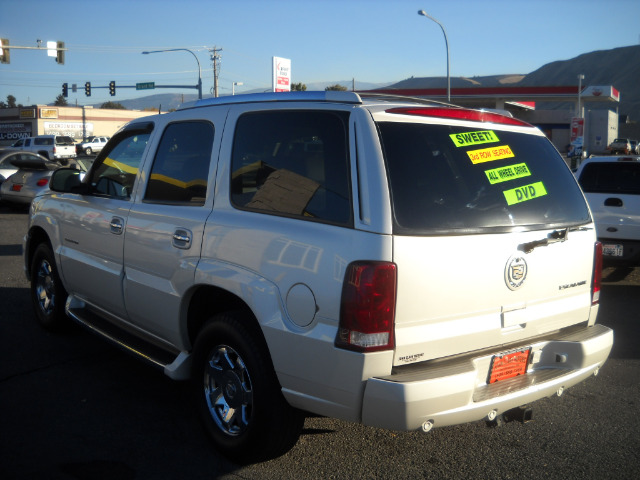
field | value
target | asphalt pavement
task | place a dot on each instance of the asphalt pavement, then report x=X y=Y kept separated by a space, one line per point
x=73 y=407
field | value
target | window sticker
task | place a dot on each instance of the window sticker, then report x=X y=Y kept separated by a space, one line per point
x=510 y=172
x=473 y=138
x=525 y=193
x=490 y=154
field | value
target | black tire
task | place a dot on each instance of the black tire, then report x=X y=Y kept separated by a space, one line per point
x=88 y=151
x=48 y=296
x=237 y=392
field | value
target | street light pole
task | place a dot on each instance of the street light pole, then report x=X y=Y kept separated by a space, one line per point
x=194 y=56
x=233 y=87
x=446 y=41
x=580 y=78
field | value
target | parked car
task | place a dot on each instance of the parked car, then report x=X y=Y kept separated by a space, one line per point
x=92 y=146
x=635 y=148
x=53 y=147
x=6 y=167
x=31 y=178
x=14 y=146
x=612 y=188
x=620 y=146
x=398 y=263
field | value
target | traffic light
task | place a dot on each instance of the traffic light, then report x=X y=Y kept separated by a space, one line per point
x=87 y=89
x=112 y=89
x=65 y=90
x=60 y=53
x=4 y=50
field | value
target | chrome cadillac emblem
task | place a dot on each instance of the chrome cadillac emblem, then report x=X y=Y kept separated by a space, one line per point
x=515 y=272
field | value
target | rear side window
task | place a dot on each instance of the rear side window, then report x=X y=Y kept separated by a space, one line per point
x=293 y=163
x=43 y=141
x=610 y=177
x=447 y=179
x=181 y=167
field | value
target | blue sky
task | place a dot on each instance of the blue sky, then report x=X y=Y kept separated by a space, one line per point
x=331 y=40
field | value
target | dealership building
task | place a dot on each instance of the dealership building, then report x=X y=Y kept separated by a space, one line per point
x=75 y=122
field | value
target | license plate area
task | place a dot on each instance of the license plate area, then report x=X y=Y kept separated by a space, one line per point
x=509 y=364
x=612 y=250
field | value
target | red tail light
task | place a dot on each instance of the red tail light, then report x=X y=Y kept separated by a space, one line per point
x=459 y=114
x=596 y=282
x=367 y=309
x=42 y=182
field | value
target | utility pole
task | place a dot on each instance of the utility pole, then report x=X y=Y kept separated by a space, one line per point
x=215 y=60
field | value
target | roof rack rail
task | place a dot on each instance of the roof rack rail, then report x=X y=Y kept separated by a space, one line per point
x=313 y=96
x=407 y=98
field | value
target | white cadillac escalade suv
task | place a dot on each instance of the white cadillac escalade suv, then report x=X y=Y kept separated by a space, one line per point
x=395 y=262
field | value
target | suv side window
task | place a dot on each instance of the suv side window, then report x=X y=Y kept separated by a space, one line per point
x=293 y=163
x=181 y=167
x=115 y=175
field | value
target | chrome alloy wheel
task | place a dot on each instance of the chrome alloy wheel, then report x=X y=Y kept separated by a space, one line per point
x=45 y=288
x=228 y=391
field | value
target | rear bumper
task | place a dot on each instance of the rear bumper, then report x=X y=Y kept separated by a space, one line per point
x=630 y=252
x=454 y=393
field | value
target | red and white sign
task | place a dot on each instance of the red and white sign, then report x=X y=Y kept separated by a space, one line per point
x=577 y=128
x=281 y=74
x=604 y=91
x=577 y=137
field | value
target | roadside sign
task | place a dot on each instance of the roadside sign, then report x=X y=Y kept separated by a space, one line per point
x=145 y=86
x=281 y=74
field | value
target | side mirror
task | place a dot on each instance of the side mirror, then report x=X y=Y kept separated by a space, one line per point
x=68 y=180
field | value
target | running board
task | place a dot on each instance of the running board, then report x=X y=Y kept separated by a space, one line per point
x=174 y=364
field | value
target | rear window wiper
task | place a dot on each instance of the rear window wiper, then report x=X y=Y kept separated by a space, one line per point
x=553 y=237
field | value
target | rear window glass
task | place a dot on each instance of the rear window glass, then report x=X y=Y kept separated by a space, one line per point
x=610 y=177
x=64 y=140
x=447 y=178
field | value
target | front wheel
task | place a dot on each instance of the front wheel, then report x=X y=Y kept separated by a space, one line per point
x=238 y=394
x=48 y=296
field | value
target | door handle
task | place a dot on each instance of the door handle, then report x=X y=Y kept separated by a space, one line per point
x=182 y=238
x=116 y=225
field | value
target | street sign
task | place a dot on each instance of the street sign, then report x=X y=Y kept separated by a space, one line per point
x=145 y=86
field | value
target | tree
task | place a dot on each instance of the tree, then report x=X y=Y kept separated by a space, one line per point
x=61 y=101
x=298 y=87
x=113 y=105
x=337 y=87
x=11 y=101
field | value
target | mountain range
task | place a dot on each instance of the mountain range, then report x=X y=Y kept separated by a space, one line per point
x=619 y=67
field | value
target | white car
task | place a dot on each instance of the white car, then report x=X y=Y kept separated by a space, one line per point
x=92 y=146
x=398 y=263
x=612 y=188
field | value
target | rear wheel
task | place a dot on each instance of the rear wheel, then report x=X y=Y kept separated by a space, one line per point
x=88 y=151
x=238 y=394
x=48 y=296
